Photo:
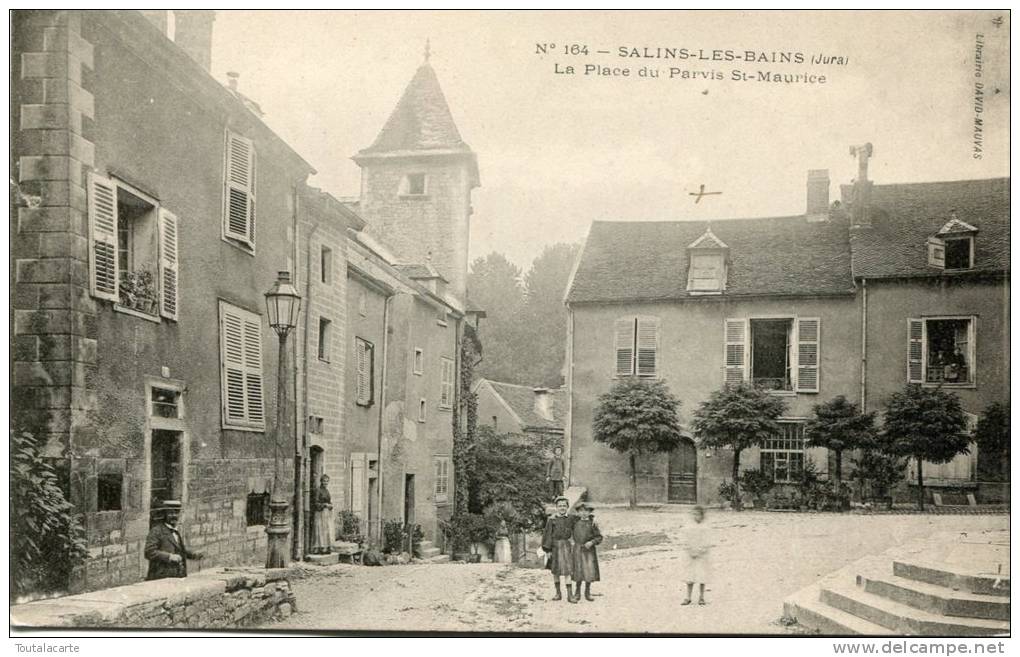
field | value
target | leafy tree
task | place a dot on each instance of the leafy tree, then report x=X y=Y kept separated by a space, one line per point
x=638 y=416
x=992 y=435
x=47 y=538
x=879 y=473
x=737 y=417
x=839 y=425
x=509 y=473
x=927 y=424
x=495 y=286
x=543 y=323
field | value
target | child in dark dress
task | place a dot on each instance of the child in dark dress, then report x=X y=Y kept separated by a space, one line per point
x=586 y=560
x=556 y=542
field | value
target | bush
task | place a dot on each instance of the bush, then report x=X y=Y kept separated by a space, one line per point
x=468 y=528
x=47 y=538
x=877 y=474
x=782 y=497
x=509 y=474
x=756 y=483
x=349 y=527
x=728 y=491
x=395 y=535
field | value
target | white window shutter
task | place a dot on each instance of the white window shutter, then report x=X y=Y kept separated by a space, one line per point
x=253 y=369
x=808 y=353
x=647 y=346
x=915 y=350
x=361 y=355
x=239 y=211
x=936 y=252
x=104 y=271
x=241 y=361
x=624 y=343
x=735 y=356
x=358 y=484
x=169 y=264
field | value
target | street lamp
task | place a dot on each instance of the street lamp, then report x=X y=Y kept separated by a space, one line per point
x=283 y=303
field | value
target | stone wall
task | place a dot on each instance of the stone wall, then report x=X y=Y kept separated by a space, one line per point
x=225 y=598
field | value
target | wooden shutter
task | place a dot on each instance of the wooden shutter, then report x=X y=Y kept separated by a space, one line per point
x=706 y=272
x=808 y=353
x=241 y=356
x=625 y=346
x=647 y=346
x=169 y=264
x=104 y=267
x=358 y=484
x=936 y=252
x=365 y=353
x=239 y=211
x=735 y=358
x=915 y=350
x=446 y=384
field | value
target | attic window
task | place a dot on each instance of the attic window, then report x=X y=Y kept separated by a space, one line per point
x=708 y=273
x=952 y=248
x=959 y=252
x=413 y=184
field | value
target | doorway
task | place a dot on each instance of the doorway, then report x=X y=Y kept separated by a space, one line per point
x=683 y=474
x=166 y=482
x=409 y=499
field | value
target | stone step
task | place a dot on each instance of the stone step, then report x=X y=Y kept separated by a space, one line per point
x=811 y=613
x=985 y=584
x=323 y=559
x=903 y=619
x=439 y=558
x=428 y=553
x=935 y=599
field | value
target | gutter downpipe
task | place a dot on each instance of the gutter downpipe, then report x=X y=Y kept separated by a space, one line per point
x=864 y=345
x=568 y=437
x=301 y=471
x=382 y=408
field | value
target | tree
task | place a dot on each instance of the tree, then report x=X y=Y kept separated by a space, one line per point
x=737 y=417
x=839 y=425
x=494 y=285
x=926 y=424
x=47 y=538
x=992 y=436
x=509 y=474
x=638 y=416
x=543 y=324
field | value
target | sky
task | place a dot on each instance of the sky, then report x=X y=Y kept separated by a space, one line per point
x=557 y=151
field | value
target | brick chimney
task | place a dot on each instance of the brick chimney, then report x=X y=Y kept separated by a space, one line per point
x=157 y=17
x=860 y=203
x=818 y=195
x=193 y=33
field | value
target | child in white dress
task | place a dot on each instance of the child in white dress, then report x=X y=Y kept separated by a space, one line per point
x=697 y=550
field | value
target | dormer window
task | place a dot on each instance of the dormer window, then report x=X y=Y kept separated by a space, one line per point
x=952 y=248
x=707 y=272
x=413 y=184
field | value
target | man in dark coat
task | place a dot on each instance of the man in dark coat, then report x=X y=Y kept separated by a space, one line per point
x=164 y=547
x=555 y=472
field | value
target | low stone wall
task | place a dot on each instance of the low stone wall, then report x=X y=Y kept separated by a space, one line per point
x=221 y=598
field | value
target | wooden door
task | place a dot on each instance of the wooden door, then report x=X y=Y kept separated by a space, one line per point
x=683 y=474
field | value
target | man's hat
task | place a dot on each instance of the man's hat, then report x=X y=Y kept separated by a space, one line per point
x=557 y=500
x=169 y=505
x=586 y=506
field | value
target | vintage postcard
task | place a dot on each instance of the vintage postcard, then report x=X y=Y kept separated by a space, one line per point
x=516 y=322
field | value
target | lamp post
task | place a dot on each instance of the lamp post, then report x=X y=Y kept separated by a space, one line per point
x=283 y=303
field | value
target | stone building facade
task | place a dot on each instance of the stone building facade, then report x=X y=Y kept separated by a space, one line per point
x=154 y=209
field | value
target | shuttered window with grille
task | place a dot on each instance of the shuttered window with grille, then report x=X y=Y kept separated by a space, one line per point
x=241 y=364
x=239 y=190
x=364 y=353
x=636 y=341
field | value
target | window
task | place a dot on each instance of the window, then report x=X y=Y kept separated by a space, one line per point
x=326 y=265
x=941 y=351
x=165 y=403
x=708 y=273
x=446 y=383
x=239 y=190
x=419 y=361
x=133 y=257
x=958 y=252
x=637 y=346
x=362 y=303
x=241 y=364
x=952 y=247
x=365 y=363
x=256 y=509
x=782 y=456
x=413 y=184
x=776 y=353
x=442 y=479
x=422 y=410
x=315 y=424
x=495 y=423
x=324 y=338
x=109 y=489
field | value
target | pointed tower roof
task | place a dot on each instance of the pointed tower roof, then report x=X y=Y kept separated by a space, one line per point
x=421 y=121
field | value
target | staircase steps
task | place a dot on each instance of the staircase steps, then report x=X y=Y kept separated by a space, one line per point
x=920 y=594
x=430 y=553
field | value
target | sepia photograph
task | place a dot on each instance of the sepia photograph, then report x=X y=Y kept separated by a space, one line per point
x=511 y=323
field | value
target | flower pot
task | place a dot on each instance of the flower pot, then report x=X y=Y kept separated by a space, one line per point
x=481 y=550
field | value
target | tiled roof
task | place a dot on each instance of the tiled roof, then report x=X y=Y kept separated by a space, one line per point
x=522 y=400
x=416 y=270
x=648 y=261
x=421 y=121
x=904 y=216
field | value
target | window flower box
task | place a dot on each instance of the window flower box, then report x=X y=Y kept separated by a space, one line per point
x=138 y=292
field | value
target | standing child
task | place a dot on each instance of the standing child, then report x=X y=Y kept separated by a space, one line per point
x=555 y=471
x=586 y=559
x=697 y=549
x=556 y=543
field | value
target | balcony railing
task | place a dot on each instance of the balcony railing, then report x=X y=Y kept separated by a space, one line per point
x=768 y=383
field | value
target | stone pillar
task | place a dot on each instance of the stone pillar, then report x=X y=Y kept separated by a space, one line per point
x=54 y=341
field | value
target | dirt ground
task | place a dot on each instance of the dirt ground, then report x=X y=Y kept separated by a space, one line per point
x=758 y=560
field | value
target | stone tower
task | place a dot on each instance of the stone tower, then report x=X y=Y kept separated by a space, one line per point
x=416 y=182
